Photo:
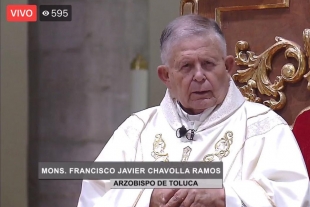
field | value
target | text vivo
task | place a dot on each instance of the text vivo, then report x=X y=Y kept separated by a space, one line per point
x=22 y=13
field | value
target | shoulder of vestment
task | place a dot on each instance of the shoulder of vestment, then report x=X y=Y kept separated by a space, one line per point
x=261 y=119
x=136 y=122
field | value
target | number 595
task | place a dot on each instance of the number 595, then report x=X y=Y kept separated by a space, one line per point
x=59 y=13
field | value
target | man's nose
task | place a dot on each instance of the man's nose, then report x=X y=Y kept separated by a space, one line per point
x=199 y=74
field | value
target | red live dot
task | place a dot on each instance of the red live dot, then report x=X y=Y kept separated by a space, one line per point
x=21 y=13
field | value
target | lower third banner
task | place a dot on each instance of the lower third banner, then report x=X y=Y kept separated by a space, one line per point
x=165 y=183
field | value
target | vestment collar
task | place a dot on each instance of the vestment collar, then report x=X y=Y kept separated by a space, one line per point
x=231 y=103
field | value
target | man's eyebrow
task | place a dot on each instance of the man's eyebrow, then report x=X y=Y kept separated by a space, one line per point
x=184 y=60
x=181 y=59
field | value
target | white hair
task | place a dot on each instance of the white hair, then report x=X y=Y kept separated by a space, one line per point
x=186 y=26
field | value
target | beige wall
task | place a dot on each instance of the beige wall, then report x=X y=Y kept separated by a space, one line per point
x=161 y=13
x=14 y=94
x=14 y=104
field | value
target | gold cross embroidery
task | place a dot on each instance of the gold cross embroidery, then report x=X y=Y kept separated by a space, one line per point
x=222 y=148
x=186 y=153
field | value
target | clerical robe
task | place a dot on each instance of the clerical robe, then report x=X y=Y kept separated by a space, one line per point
x=262 y=163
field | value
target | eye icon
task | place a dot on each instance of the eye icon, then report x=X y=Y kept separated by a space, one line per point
x=45 y=13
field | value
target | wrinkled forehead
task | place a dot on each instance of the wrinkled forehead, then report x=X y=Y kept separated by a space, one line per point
x=206 y=44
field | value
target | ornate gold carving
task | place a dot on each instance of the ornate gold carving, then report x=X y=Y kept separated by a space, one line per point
x=256 y=75
x=158 y=152
x=186 y=153
x=221 y=148
x=249 y=93
x=191 y=5
x=306 y=37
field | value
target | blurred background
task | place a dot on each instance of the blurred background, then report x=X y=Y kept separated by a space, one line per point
x=66 y=86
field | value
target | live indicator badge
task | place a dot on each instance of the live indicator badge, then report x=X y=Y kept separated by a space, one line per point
x=55 y=12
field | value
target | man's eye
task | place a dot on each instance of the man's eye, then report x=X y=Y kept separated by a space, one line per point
x=207 y=64
x=186 y=65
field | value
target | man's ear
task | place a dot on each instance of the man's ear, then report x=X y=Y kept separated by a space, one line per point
x=230 y=64
x=163 y=74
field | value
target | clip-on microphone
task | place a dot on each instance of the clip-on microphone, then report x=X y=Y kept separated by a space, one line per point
x=182 y=131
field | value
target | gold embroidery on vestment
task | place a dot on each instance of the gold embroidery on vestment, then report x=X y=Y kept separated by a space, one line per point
x=186 y=153
x=221 y=148
x=158 y=152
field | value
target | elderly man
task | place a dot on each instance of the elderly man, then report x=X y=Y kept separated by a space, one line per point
x=203 y=117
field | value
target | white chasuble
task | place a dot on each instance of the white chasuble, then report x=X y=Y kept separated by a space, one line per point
x=263 y=166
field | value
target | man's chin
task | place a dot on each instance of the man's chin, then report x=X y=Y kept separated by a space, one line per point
x=203 y=105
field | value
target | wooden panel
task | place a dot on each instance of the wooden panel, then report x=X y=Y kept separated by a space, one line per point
x=258 y=22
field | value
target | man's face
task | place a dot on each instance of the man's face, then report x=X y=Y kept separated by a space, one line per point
x=197 y=74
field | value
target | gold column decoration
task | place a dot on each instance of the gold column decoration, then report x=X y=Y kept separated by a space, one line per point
x=306 y=37
x=139 y=84
x=256 y=75
x=139 y=63
x=189 y=7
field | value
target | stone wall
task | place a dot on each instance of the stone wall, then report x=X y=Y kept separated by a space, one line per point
x=79 y=75
x=13 y=110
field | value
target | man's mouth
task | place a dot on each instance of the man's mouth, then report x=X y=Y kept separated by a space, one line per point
x=201 y=92
x=202 y=95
